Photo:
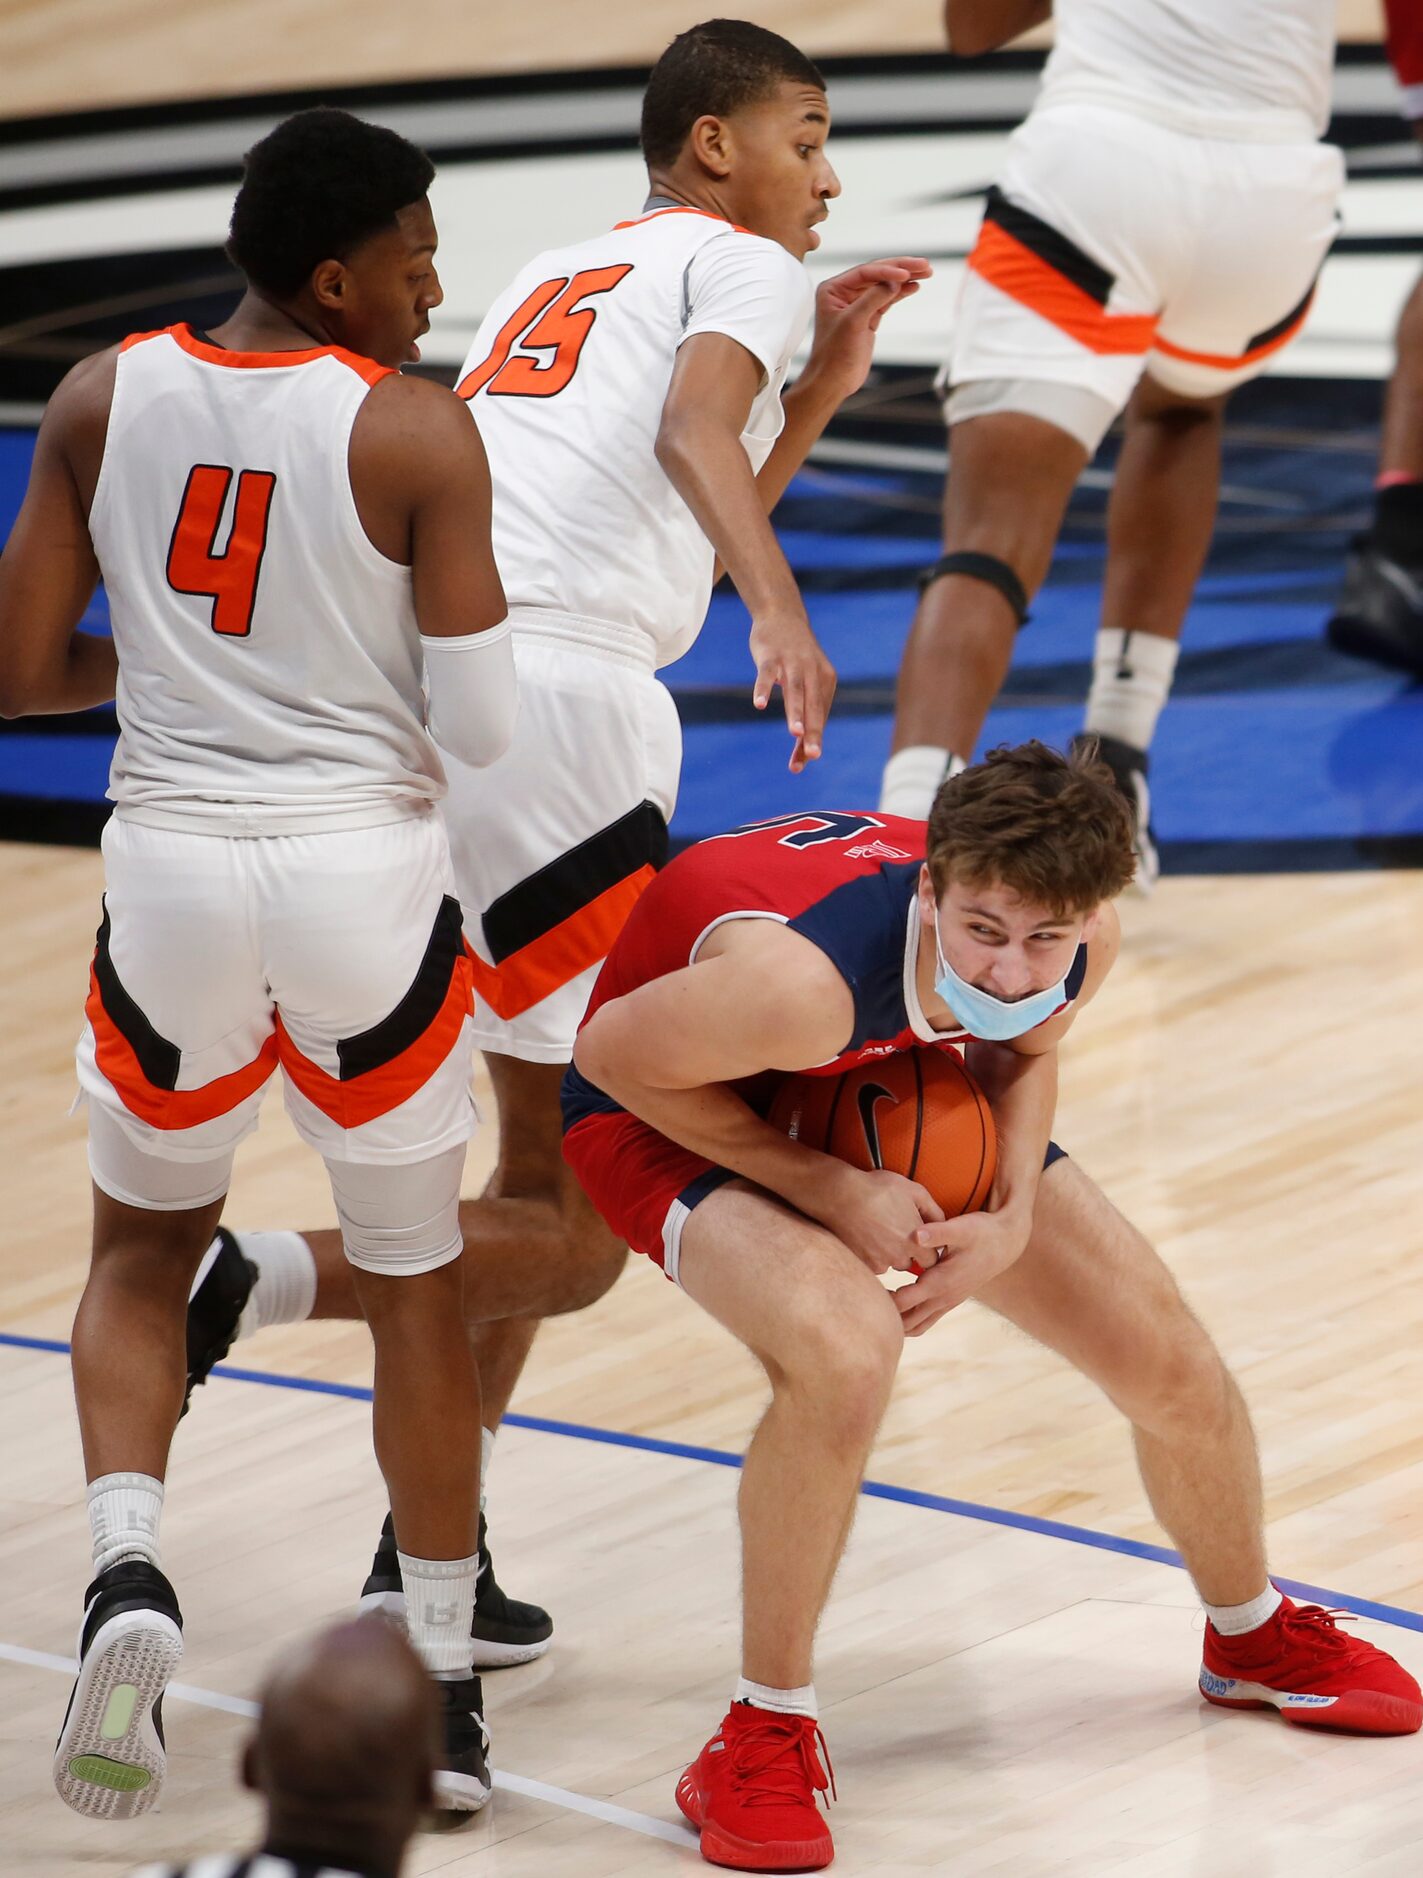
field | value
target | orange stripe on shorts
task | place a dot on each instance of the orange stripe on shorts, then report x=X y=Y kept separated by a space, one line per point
x=547 y=963
x=168 y=1108
x=1228 y=362
x=1014 y=269
x=375 y=1092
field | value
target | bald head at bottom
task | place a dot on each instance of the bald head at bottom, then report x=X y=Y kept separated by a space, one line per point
x=349 y=1734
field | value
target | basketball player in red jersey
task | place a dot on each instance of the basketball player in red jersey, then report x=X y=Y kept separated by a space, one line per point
x=294 y=540
x=634 y=393
x=815 y=942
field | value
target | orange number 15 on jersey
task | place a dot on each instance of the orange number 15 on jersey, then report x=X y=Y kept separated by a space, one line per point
x=550 y=319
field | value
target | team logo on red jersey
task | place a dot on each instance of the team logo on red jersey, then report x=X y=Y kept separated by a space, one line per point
x=877 y=851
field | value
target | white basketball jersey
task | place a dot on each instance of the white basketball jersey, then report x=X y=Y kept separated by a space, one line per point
x=270 y=675
x=1258 y=70
x=566 y=380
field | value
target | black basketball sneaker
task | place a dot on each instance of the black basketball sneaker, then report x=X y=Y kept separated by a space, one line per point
x=505 y=1631
x=110 y=1759
x=215 y=1309
x=1129 y=767
x=1380 y=611
x=462 y=1780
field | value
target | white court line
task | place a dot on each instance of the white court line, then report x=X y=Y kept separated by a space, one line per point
x=510 y=1783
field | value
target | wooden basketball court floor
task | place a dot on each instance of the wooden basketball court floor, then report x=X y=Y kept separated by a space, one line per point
x=1007 y=1671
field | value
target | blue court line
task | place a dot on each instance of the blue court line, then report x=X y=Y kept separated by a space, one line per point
x=872 y=1489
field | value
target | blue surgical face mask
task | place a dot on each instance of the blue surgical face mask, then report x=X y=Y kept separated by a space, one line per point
x=985 y=1016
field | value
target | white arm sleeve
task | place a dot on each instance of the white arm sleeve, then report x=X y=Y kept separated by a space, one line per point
x=751 y=290
x=474 y=695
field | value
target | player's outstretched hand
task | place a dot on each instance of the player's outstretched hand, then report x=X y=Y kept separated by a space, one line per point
x=848 y=310
x=973 y=1249
x=877 y=1214
x=787 y=655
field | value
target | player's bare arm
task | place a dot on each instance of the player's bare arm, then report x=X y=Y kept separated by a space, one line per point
x=976 y=26
x=758 y=998
x=421 y=484
x=48 y=572
x=1020 y=1080
x=714 y=383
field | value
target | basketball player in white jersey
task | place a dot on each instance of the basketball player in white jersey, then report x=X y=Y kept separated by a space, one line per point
x=1153 y=241
x=284 y=525
x=631 y=392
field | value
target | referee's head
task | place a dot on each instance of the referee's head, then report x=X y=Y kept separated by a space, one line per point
x=345 y=1749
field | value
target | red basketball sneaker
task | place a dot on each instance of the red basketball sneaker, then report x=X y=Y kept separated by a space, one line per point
x=1315 y=1674
x=751 y=1793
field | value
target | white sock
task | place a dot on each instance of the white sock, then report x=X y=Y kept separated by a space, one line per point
x=1233 y=1620
x=778 y=1701
x=439 y=1610
x=124 y=1510
x=486 y=1461
x=912 y=778
x=1131 y=681
x=285 y=1291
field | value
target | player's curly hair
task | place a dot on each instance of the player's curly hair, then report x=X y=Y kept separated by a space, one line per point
x=1053 y=829
x=314 y=189
x=712 y=70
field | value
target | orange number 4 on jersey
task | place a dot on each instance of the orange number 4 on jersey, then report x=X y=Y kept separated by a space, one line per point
x=228 y=579
x=548 y=320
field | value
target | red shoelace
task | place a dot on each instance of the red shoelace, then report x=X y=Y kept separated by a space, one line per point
x=1325 y=1622
x=775 y=1758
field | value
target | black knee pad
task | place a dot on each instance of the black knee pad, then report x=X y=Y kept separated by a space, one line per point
x=985 y=567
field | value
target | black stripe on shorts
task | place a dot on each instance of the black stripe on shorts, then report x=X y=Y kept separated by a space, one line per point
x=556 y=892
x=157 y=1058
x=1043 y=240
x=417 y=1010
x=1280 y=327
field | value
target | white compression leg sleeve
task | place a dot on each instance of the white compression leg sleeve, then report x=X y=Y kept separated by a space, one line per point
x=401 y=1219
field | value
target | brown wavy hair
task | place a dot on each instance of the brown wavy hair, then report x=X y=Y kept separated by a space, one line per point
x=1053 y=829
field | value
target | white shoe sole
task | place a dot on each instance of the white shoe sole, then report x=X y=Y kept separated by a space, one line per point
x=110 y=1763
x=460 y=1793
x=486 y=1654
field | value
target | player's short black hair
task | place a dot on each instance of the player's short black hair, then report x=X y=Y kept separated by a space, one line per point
x=314 y=189
x=712 y=70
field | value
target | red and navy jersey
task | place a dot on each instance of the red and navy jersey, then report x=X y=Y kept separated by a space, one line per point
x=845 y=880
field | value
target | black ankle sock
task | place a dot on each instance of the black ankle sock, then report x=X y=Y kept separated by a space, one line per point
x=1398 y=522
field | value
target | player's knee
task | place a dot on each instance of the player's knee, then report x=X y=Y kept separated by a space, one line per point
x=846 y=1360
x=1184 y=1387
x=594 y=1263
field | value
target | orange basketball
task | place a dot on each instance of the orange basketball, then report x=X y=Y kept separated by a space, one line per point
x=918 y=1113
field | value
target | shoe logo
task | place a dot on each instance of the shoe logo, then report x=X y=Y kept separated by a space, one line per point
x=1216 y=1685
x=869 y=1099
x=1309 y=1701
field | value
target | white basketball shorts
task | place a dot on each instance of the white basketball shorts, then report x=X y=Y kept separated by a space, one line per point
x=338 y=956
x=1112 y=246
x=553 y=843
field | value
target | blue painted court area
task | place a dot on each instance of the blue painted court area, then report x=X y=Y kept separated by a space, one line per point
x=1274 y=750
